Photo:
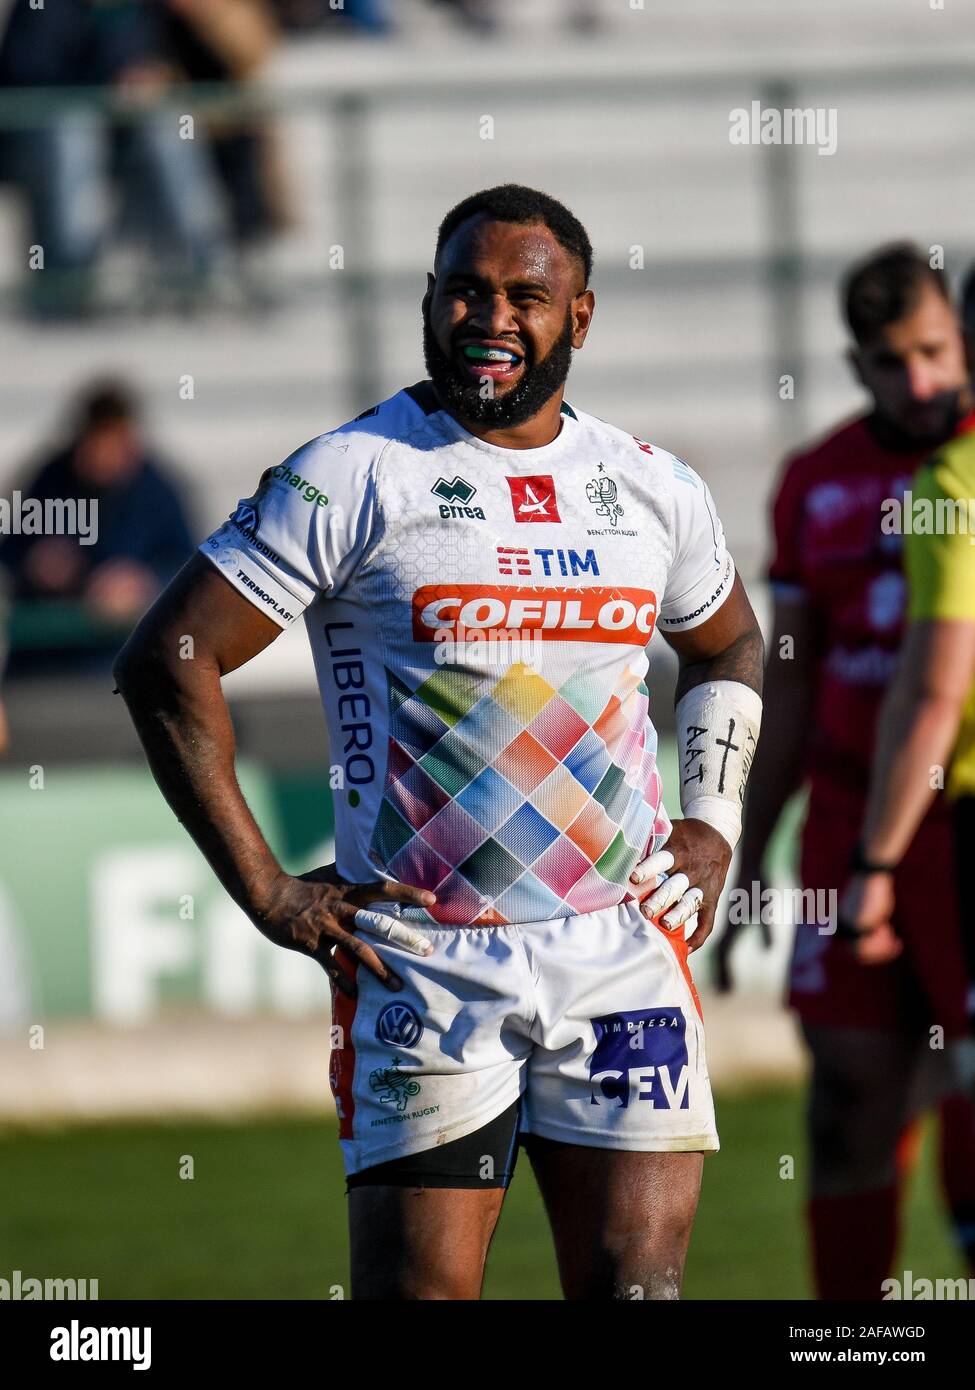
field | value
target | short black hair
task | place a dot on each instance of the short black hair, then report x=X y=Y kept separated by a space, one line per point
x=106 y=402
x=514 y=202
x=886 y=287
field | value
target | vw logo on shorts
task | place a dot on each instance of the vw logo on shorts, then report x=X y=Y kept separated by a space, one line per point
x=399 y=1025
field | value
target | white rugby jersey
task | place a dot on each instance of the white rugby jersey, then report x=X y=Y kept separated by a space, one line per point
x=478 y=618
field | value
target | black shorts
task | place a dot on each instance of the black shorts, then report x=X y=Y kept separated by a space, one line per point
x=485 y=1158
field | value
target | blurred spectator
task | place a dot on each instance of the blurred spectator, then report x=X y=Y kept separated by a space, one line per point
x=230 y=41
x=65 y=165
x=141 y=538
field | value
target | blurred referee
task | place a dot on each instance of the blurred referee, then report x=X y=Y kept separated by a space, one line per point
x=928 y=717
x=840 y=597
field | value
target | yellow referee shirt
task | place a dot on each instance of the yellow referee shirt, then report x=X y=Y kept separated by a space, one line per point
x=939 y=556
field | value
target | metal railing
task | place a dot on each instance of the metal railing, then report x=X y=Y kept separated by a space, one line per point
x=778 y=268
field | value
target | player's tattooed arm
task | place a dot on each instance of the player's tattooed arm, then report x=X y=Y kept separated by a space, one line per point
x=718 y=718
x=169 y=674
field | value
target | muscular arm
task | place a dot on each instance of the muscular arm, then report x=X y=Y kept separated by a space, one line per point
x=917 y=731
x=727 y=647
x=169 y=675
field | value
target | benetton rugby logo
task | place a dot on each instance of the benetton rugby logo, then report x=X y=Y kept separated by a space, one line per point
x=602 y=493
x=464 y=612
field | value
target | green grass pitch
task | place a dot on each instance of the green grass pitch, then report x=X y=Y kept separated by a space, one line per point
x=264 y=1215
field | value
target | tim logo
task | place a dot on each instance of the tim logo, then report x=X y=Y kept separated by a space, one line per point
x=514 y=560
x=640 y=1056
x=533 y=499
x=399 y=1025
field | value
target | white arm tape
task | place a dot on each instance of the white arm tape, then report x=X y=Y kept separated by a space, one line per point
x=717 y=734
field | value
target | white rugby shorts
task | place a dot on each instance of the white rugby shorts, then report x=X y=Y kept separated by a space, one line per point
x=592 y=1020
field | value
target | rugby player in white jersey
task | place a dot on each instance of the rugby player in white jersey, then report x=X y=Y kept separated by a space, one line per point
x=480 y=567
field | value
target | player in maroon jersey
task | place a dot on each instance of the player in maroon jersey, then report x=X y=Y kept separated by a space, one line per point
x=839 y=613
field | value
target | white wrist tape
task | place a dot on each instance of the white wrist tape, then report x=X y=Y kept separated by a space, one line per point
x=717 y=734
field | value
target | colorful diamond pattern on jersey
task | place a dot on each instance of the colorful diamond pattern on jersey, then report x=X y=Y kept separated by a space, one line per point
x=517 y=801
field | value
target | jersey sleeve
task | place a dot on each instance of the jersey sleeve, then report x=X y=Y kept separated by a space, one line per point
x=784 y=572
x=941 y=567
x=304 y=530
x=702 y=573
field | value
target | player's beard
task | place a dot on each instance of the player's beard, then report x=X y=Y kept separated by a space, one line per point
x=898 y=435
x=461 y=393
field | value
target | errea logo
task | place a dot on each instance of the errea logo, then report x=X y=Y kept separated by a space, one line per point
x=455 y=498
x=460 y=490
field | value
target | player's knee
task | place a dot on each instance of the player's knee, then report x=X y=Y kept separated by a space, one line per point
x=658 y=1283
x=634 y=1267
